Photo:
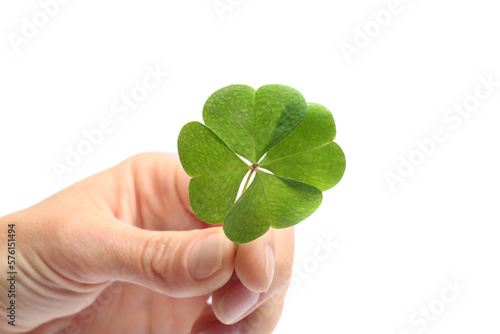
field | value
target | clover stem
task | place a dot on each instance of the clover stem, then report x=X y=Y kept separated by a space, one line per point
x=248 y=179
x=252 y=170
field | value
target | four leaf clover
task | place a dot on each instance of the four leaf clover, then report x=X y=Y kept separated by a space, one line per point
x=289 y=144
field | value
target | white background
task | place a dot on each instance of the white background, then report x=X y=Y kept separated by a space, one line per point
x=396 y=248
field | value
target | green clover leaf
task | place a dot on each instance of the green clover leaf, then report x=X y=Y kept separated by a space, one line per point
x=297 y=140
x=309 y=154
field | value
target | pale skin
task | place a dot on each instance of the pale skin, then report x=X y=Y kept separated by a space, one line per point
x=118 y=252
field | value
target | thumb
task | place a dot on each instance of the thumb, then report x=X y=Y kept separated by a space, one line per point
x=176 y=263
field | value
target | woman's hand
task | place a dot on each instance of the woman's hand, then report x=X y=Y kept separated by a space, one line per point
x=122 y=252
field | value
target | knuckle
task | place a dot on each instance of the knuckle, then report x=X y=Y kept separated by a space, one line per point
x=158 y=260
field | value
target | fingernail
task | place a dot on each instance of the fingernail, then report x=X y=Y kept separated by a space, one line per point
x=237 y=301
x=269 y=266
x=206 y=256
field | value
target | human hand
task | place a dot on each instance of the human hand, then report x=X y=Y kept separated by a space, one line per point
x=122 y=252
